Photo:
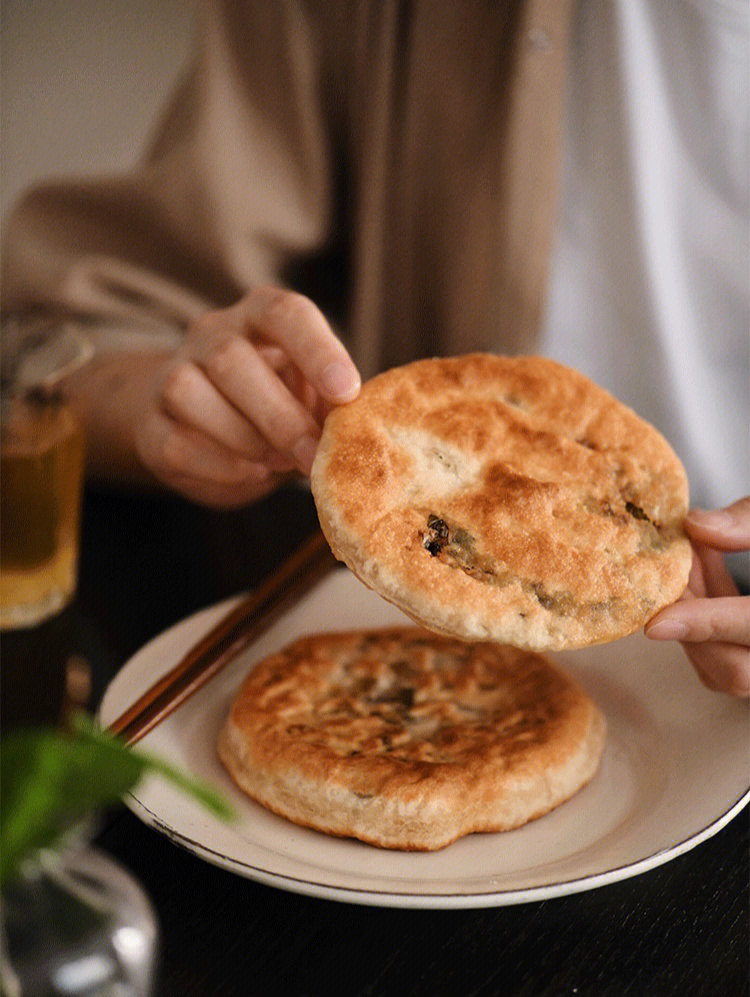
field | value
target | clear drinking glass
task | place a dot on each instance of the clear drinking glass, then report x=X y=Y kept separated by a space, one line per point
x=42 y=452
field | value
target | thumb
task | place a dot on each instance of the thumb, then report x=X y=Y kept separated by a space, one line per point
x=723 y=529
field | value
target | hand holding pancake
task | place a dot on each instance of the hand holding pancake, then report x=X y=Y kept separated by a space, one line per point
x=712 y=619
x=242 y=402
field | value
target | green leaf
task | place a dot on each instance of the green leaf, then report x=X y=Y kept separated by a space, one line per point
x=51 y=781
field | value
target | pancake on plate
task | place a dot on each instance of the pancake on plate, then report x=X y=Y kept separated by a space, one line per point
x=504 y=499
x=407 y=739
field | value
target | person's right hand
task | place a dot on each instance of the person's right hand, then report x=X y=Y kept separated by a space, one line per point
x=711 y=618
x=242 y=402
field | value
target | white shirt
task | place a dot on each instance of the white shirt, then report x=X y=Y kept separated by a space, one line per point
x=650 y=291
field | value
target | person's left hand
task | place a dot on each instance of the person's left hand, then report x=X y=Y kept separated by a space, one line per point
x=711 y=618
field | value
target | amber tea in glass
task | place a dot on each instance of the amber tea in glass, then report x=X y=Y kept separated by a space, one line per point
x=41 y=473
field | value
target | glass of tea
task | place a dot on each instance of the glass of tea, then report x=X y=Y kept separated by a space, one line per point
x=42 y=453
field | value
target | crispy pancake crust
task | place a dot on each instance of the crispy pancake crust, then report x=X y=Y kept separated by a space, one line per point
x=504 y=498
x=406 y=739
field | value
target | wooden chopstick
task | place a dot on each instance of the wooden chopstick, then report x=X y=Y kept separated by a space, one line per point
x=296 y=576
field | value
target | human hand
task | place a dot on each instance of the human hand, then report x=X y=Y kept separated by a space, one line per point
x=711 y=618
x=241 y=404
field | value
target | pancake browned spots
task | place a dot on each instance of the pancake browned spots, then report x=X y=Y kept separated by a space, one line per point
x=560 y=510
x=406 y=739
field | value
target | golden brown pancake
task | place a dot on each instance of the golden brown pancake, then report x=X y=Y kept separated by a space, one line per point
x=407 y=739
x=507 y=499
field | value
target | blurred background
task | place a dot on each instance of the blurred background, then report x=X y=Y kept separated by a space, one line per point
x=82 y=83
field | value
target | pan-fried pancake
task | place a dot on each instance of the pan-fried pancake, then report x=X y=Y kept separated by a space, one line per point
x=508 y=499
x=407 y=739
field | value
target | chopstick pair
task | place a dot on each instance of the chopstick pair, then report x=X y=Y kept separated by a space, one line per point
x=246 y=621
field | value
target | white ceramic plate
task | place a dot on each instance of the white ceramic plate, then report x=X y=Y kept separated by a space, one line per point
x=675 y=771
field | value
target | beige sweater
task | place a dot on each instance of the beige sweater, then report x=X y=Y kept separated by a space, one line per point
x=397 y=161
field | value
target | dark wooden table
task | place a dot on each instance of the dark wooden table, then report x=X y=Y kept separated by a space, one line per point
x=682 y=928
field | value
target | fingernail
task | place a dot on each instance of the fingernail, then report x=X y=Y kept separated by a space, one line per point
x=667 y=630
x=339 y=382
x=303 y=452
x=713 y=518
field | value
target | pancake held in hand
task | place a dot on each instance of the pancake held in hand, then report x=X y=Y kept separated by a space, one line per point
x=407 y=739
x=504 y=498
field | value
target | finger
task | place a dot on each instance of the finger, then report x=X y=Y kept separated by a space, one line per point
x=716 y=579
x=297 y=383
x=722 y=667
x=171 y=449
x=240 y=374
x=190 y=398
x=259 y=482
x=184 y=461
x=305 y=393
x=294 y=322
x=697 y=620
x=274 y=356
x=725 y=529
x=696 y=586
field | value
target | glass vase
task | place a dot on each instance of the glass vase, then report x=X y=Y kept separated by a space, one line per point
x=76 y=923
